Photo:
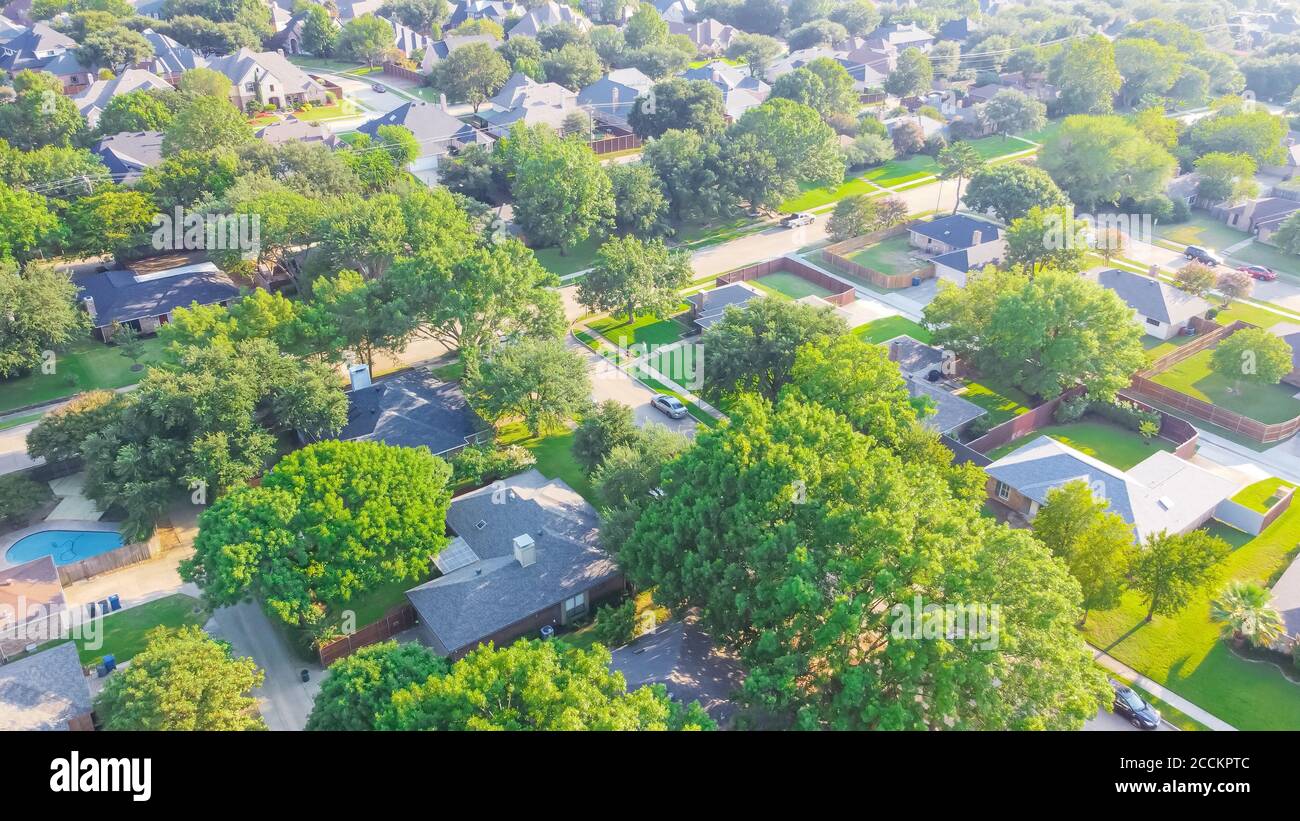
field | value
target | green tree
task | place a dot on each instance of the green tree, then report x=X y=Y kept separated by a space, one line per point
x=1195 y=278
x=628 y=479
x=1238 y=130
x=1252 y=356
x=1096 y=544
x=536 y=685
x=328 y=524
x=802 y=149
x=860 y=214
x=421 y=15
x=757 y=51
x=959 y=161
x=1009 y=190
x=1011 y=111
x=1148 y=68
x=912 y=75
x=562 y=193
x=40 y=114
x=40 y=315
x=138 y=110
x=110 y=221
x=645 y=26
x=678 y=104
x=859 y=17
x=473 y=73
x=115 y=49
x=1047 y=238
x=182 y=680
x=1244 y=610
x=1086 y=74
x=753 y=350
x=541 y=380
x=359 y=687
x=205 y=82
x=319 y=35
x=640 y=207
x=205 y=123
x=366 y=38
x=687 y=165
x=350 y=313
x=1103 y=160
x=26 y=223
x=603 y=428
x=1043 y=335
x=1225 y=177
x=574 y=66
x=60 y=434
x=1171 y=567
x=635 y=277
x=1287 y=236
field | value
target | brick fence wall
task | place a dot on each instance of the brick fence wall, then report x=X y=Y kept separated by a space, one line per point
x=834 y=255
x=841 y=294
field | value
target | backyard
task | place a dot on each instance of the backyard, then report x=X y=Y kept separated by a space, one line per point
x=125 y=632
x=1264 y=403
x=1118 y=447
x=1261 y=495
x=1185 y=653
x=554 y=452
x=894 y=255
x=1002 y=403
x=84 y=366
x=789 y=285
x=888 y=327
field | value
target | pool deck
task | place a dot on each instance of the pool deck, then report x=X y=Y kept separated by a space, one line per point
x=9 y=539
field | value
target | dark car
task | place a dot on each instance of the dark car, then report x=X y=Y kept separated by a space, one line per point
x=669 y=405
x=1130 y=705
x=1202 y=255
x=378 y=89
x=1259 y=272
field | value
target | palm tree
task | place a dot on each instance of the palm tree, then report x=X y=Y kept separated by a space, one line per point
x=1243 y=609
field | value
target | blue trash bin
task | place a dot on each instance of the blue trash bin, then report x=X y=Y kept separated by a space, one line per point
x=916 y=281
x=110 y=663
x=114 y=603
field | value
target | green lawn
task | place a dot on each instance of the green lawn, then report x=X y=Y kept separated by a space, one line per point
x=1109 y=443
x=1184 y=652
x=700 y=234
x=342 y=108
x=373 y=604
x=19 y=420
x=644 y=330
x=579 y=258
x=791 y=286
x=1202 y=230
x=894 y=255
x=554 y=452
x=1002 y=404
x=888 y=327
x=125 y=632
x=1254 y=314
x=1257 y=253
x=1259 y=496
x=1157 y=348
x=86 y=365
x=1264 y=403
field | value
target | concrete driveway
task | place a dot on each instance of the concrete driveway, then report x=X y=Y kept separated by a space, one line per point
x=285 y=701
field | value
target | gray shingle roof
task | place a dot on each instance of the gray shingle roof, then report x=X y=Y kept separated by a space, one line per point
x=490 y=594
x=411 y=409
x=957 y=230
x=1153 y=298
x=950 y=411
x=436 y=130
x=121 y=296
x=43 y=691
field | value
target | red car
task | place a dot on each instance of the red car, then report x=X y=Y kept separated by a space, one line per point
x=1259 y=272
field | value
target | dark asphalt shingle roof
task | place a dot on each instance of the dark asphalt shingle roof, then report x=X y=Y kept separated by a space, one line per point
x=411 y=409
x=1151 y=297
x=120 y=296
x=950 y=411
x=43 y=691
x=958 y=230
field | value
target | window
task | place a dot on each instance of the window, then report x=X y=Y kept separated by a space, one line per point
x=575 y=606
x=1003 y=491
x=1154 y=322
x=250 y=86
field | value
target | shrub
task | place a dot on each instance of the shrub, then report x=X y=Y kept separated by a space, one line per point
x=978 y=428
x=615 y=625
x=1070 y=410
x=1125 y=414
x=19 y=497
x=480 y=464
x=935 y=143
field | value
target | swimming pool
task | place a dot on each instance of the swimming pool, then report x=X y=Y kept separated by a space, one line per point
x=66 y=546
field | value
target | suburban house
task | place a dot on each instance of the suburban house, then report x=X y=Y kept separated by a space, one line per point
x=439 y=50
x=128 y=154
x=288 y=32
x=411 y=409
x=611 y=98
x=1160 y=309
x=958 y=29
x=92 y=100
x=267 y=78
x=740 y=91
x=170 y=59
x=798 y=59
x=407 y=40
x=525 y=555
x=1161 y=493
x=32 y=606
x=498 y=11
x=144 y=299
x=1260 y=216
x=929 y=125
x=293 y=130
x=1291 y=162
x=1289 y=332
x=46 y=691
x=41 y=48
x=960 y=244
x=676 y=11
x=523 y=99
x=349 y=10
x=902 y=36
x=707 y=307
x=708 y=35
x=547 y=15
x=437 y=132
x=682 y=657
x=1286 y=600
x=922 y=367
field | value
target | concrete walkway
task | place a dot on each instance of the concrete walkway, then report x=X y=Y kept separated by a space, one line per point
x=1160 y=692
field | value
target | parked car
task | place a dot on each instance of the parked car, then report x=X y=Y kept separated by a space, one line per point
x=1259 y=272
x=1202 y=255
x=669 y=405
x=796 y=220
x=378 y=88
x=1130 y=705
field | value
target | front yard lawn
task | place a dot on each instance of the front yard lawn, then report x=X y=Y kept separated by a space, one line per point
x=554 y=452
x=1101 y=440
x=890 y=256
x=1264 y=403
x=647 y=329
x=1185 y=653
x=1202 y=230
x=85 y=365
x=125 y=632
x=579 y=258
x=1259 y=496
x=888 y=327
x=788 y=285
x=1257 y=253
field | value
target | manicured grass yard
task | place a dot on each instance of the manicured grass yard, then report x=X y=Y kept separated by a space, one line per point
x=1184 y=652
x=1265 y=403
x=791 y=286
x=1257 y=253
x=894 y=255
x=888 y=327
x=1202 y=230
x=1109 y=443
x=86 y=365
x=579 y=258
x=1258 y=497
x=1157 y=348
x=644 y=330
x=554 y=452
x=125 y=632
x=342 y=108
x=1002 y=403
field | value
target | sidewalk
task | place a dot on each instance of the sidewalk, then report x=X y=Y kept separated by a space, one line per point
x=1173 y=699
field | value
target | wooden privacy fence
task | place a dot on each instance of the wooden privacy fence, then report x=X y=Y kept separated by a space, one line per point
x=840 y=293
x=609 y=145
x=394 y=621
x=402 y=71
x=835 y=256
x=124 y=556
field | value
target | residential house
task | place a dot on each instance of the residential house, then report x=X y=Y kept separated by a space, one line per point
x=1160 y=309
x=145 y=298
x=267 y=78
x=525 y=556
x=41 y=48
x=549 y=14
x=682 y=657
x=1291 y=161
x=922 y=367
x=960 y=244
x=676 y=11
x=152 y=9
x=708 y=35
x=740 y=91
x=902 y=36
x=498 y=11
x=707 y=307
x=32 y=606
x=46 y=691
x=407 y=40
x=929 y=125
x=349 y=10
x=1034 y=85
x=798 y=59
x=1163 y=493
x=170 y=59
x=1261 y=216
x=523 y=99
x=610 y=99
x=439 y=50
x=958 y=30
x=437 y=132
x=128 y=154
x=1183 y=187
x=1289 y=332
x=411 y=409
x=92 y=101
x=10 y=29
x=293 y=130
x=1286 y=601
x=288 y=35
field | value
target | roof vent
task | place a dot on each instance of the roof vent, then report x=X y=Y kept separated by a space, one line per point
x=1165 y=502
x=480 y=524
x=525 y=550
